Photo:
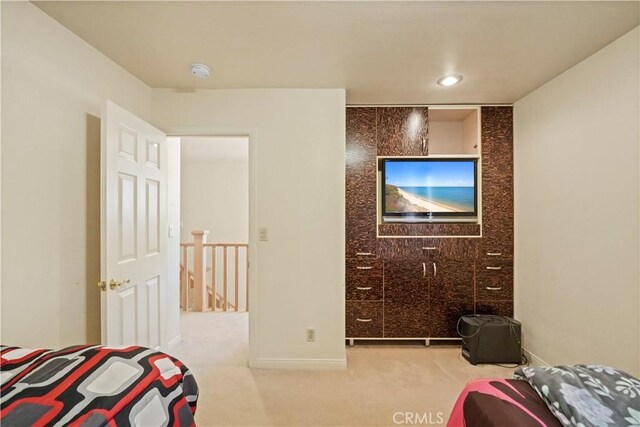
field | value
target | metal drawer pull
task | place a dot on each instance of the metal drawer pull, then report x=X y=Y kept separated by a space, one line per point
x=494 y=253
x=435 y=270
x=363 y=253
x=494 y=288
x=424 y=269
x=494 y=268
x=363 y=288
x=429 y=248
x=363 y=320
x=364 y=268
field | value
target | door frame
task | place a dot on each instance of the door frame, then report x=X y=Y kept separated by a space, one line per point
x=251 y=134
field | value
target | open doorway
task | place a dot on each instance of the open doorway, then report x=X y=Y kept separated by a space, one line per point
x=213 y=231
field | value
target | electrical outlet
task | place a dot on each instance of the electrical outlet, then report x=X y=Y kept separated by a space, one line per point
x=264 y=235
x=311 y=335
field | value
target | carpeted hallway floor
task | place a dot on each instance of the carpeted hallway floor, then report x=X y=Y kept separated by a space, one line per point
x=380 y=385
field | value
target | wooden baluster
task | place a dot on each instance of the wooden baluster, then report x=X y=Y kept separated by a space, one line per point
x=236 y=276
x=199 y=269
x=247 y=278
x=224 y=291
x=213 y=276
x=184 y=290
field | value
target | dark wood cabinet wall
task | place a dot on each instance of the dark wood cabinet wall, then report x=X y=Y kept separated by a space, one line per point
x=399 y=285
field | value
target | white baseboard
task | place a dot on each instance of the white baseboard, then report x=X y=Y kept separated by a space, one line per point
x=534 y=360
x=267 y=363
x=175 y=342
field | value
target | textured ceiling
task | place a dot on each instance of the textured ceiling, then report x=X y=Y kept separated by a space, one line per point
x=381 y=52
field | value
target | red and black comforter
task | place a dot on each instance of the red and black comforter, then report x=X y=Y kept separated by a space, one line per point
x=95 y=386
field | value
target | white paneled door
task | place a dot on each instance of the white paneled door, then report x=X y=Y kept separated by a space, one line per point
x=133 y=233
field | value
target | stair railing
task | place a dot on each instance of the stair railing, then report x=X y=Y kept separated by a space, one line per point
x=199 y=280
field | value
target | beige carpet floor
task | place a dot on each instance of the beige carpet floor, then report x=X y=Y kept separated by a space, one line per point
x=380 y=385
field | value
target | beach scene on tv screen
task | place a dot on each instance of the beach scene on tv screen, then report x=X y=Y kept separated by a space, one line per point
x=437 y=187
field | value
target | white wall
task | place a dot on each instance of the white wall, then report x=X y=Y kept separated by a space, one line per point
x=576 y=211
x=215 y=197
x=54 y=85
x=173 y=244
x=297 y=152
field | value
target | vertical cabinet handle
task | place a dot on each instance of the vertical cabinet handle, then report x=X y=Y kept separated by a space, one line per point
x=424 y=146
x=435 y=270
x=424 y=269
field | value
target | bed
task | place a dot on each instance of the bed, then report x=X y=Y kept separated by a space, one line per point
x=580 y=395
x=94 y=386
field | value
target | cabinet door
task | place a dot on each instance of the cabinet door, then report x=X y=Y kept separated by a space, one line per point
x=406 y=299
x=360 y=182
x=497 y=181
x=453 y=280
x=444 y=316
x=403 y=131
x=451 y=292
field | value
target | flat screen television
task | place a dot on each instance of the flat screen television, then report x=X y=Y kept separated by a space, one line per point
x=423 y=190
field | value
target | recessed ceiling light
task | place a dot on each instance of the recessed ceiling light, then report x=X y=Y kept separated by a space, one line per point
x=200 y=70
x=449 y=80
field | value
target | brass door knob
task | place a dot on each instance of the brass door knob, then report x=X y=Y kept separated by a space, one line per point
x=102 y=285
x=116 y=284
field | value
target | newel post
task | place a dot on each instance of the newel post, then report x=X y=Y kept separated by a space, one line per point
x=199 y=270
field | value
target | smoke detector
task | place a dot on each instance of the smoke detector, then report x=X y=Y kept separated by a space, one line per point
x=201 y=71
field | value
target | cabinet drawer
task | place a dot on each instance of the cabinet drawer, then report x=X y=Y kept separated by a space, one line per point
x=363 y=246
x=364 y=279
x=494 y=281
x=428 y=249
x=495 y=265
x=495 y=249
x=364 y=267
x=364 y=319
x=362 y=291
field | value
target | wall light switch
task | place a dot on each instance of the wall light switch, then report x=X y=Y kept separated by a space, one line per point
x=264 y=236
x=172 y=230
x=311 y=334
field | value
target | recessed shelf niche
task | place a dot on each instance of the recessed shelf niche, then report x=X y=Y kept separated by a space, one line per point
x=454 y=131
